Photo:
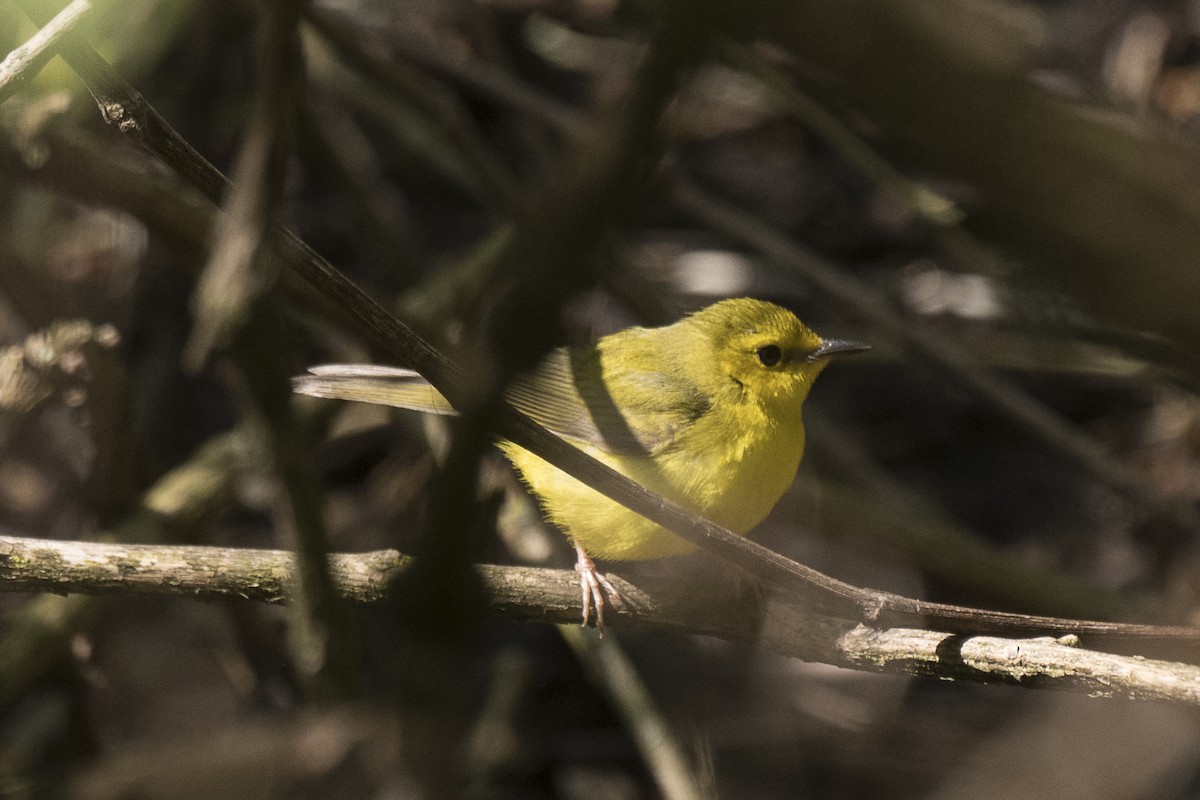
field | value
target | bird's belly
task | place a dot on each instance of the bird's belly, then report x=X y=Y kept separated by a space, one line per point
x=733 y=482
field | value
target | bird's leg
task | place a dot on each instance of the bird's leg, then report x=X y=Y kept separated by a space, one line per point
x=594 y=587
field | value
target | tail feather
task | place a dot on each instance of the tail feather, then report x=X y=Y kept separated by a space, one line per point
x=370 y=383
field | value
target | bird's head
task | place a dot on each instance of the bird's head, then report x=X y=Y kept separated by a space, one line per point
x=763 y=349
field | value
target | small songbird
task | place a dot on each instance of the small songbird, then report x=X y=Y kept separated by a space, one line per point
x=705 y=412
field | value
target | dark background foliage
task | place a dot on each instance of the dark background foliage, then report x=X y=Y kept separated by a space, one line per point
x=1002 y=197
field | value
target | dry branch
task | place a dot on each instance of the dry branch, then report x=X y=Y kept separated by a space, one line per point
x=24 y=62
x=552 y=596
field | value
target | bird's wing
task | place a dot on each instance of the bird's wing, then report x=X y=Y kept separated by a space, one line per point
x=571 y=394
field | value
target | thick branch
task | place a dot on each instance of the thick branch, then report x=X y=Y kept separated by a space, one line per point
x=552 y=596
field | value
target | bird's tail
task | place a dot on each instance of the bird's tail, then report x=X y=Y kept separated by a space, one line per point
x=369 y=383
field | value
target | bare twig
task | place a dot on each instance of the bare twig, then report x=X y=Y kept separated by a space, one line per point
x=240 y=268
x=552 y=596
x=24 y=62
x=860 y=509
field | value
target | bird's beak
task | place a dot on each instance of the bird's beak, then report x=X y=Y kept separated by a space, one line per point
x=836 y=347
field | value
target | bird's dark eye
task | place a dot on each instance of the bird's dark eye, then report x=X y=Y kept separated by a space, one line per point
x=769 y=355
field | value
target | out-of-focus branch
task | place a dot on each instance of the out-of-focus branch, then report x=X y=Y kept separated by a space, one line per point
x=958 y=94
x=610 y=667
x=439 y=129
x=240 y=269
x=576 y=197
x=336 y=144
x=552 y=596
x=920 y=199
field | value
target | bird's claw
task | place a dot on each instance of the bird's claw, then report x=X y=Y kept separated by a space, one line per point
x=596 y=591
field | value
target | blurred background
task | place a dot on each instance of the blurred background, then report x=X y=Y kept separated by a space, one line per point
x=1002 y=197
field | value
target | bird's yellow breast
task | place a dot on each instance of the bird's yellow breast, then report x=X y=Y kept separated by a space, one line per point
x=731 y=466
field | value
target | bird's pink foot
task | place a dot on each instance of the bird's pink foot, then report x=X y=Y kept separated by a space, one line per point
x=595 y=588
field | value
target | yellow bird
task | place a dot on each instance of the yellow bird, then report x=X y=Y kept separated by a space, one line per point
x=705 y=412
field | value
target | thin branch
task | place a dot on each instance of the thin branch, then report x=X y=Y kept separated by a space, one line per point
x=20 y=65
x=552 y=596
x=85 y=168
x=860 y=509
